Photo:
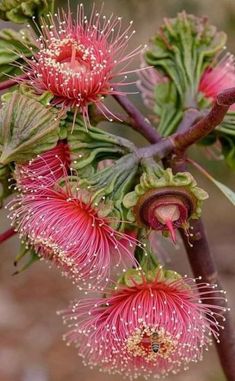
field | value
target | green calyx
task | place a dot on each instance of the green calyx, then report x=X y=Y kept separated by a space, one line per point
x=21 y=11
x=27 y=128
x=28 y=255
x=158 y=179
x=90 y=146
x=184 y=47
x=110 y=185
x=13 y=47
x=5 y=190
x=137 y=276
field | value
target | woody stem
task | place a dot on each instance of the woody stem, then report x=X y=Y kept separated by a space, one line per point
x=12 y=82
x=6 y=235
x=199 y=255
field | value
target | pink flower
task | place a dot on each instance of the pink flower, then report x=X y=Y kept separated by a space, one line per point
x=63 y=225
x=151 y=328
x=44 y=170
x=218 y=78
x=81 y=61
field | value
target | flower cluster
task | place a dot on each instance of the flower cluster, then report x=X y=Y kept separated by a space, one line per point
x=87 y=200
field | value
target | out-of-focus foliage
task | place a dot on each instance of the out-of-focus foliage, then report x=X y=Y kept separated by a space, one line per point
x=20 y=11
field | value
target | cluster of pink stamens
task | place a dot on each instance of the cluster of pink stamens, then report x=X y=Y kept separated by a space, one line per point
x=150 y=328
x=52 y=214
x=81 y=61
x=218 y=78
x=44 y=170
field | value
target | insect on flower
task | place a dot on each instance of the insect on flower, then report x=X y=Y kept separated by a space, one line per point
x=81 y=61
x=155 y=325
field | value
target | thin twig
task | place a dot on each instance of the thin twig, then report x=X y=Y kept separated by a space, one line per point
x=12 y=82
x=139 y=122
x=6 y=235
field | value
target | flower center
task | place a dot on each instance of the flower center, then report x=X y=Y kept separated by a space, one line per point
x=167 y=215
x=72 y=59
x=151 y=344
x=68 y=55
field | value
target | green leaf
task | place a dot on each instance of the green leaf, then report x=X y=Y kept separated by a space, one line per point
x=208 y=140
x=13 y=46
x=89 y=146
x=5 y=191
x=20 y=11
x=229 y=193
x=28 y=255
x=228 y=149
x=27 y=128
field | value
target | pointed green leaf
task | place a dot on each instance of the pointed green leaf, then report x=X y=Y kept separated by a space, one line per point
x=27 y=128
x=229 y=193
x=20 y=11
x=14 y=45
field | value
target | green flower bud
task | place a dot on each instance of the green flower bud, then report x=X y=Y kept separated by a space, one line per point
x=181 y=51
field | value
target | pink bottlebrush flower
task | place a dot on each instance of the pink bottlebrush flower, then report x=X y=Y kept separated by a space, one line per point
x=219 y=78
x=81 y=61
x=44 y=170
x=63 y=226
x=151 y=328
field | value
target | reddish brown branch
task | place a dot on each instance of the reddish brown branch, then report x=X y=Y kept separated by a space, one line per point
x=138 y=121
x=200 y=256
x=6 y=235
x=203 y=264
x=187 y=134
x=183 y=140
x=12 y=82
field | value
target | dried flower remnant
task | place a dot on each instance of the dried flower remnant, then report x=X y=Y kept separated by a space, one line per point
x=151 y=327
x=82 y=61
x=63 y=225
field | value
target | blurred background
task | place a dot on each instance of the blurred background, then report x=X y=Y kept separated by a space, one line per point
x=31 y=348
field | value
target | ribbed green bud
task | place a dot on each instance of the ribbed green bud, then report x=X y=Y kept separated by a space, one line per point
x=110 y=185
x=137 y=276
x=90 y=146
x=20 y=11
x=181 y=51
